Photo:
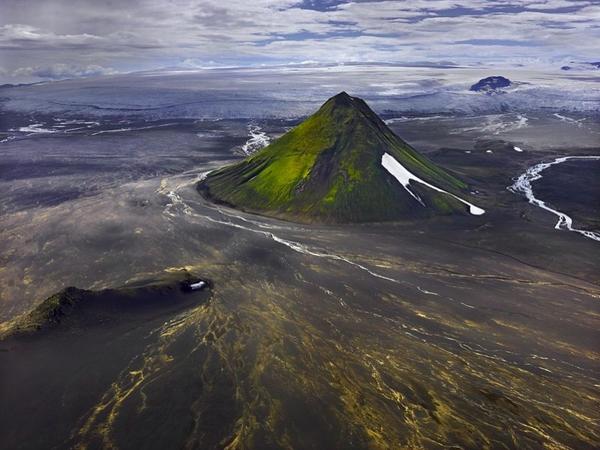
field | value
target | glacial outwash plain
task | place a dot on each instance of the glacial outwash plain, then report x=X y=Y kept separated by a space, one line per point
x=352 y=300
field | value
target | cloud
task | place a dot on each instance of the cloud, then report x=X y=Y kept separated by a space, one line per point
x=145 y=34
x=20 y=36
x=62 y=71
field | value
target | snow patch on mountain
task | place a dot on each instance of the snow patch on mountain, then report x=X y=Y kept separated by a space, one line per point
x=404 y=176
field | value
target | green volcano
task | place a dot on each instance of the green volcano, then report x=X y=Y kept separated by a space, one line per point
x=342 y=164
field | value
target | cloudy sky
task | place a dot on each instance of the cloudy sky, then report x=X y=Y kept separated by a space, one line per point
x=52 y=39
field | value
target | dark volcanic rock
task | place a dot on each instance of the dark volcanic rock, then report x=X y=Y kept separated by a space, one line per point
x=74 y=308
x=491 y=84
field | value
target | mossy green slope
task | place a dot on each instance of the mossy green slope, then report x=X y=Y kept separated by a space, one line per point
x=328 y=169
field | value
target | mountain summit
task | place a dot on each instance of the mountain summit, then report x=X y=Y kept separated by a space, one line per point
x=342 y=164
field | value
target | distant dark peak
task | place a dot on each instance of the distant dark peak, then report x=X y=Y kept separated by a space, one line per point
x=491 y=84
x=582 y=65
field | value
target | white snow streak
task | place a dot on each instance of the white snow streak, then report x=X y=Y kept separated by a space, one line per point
x=404 y=177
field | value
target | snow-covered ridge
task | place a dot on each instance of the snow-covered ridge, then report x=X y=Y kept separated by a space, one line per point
x=405 y=177
x=523 y=185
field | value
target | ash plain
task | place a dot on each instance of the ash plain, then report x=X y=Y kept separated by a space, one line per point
x=478 y=332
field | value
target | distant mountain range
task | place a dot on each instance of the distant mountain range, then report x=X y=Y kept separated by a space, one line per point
x=342 y=164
